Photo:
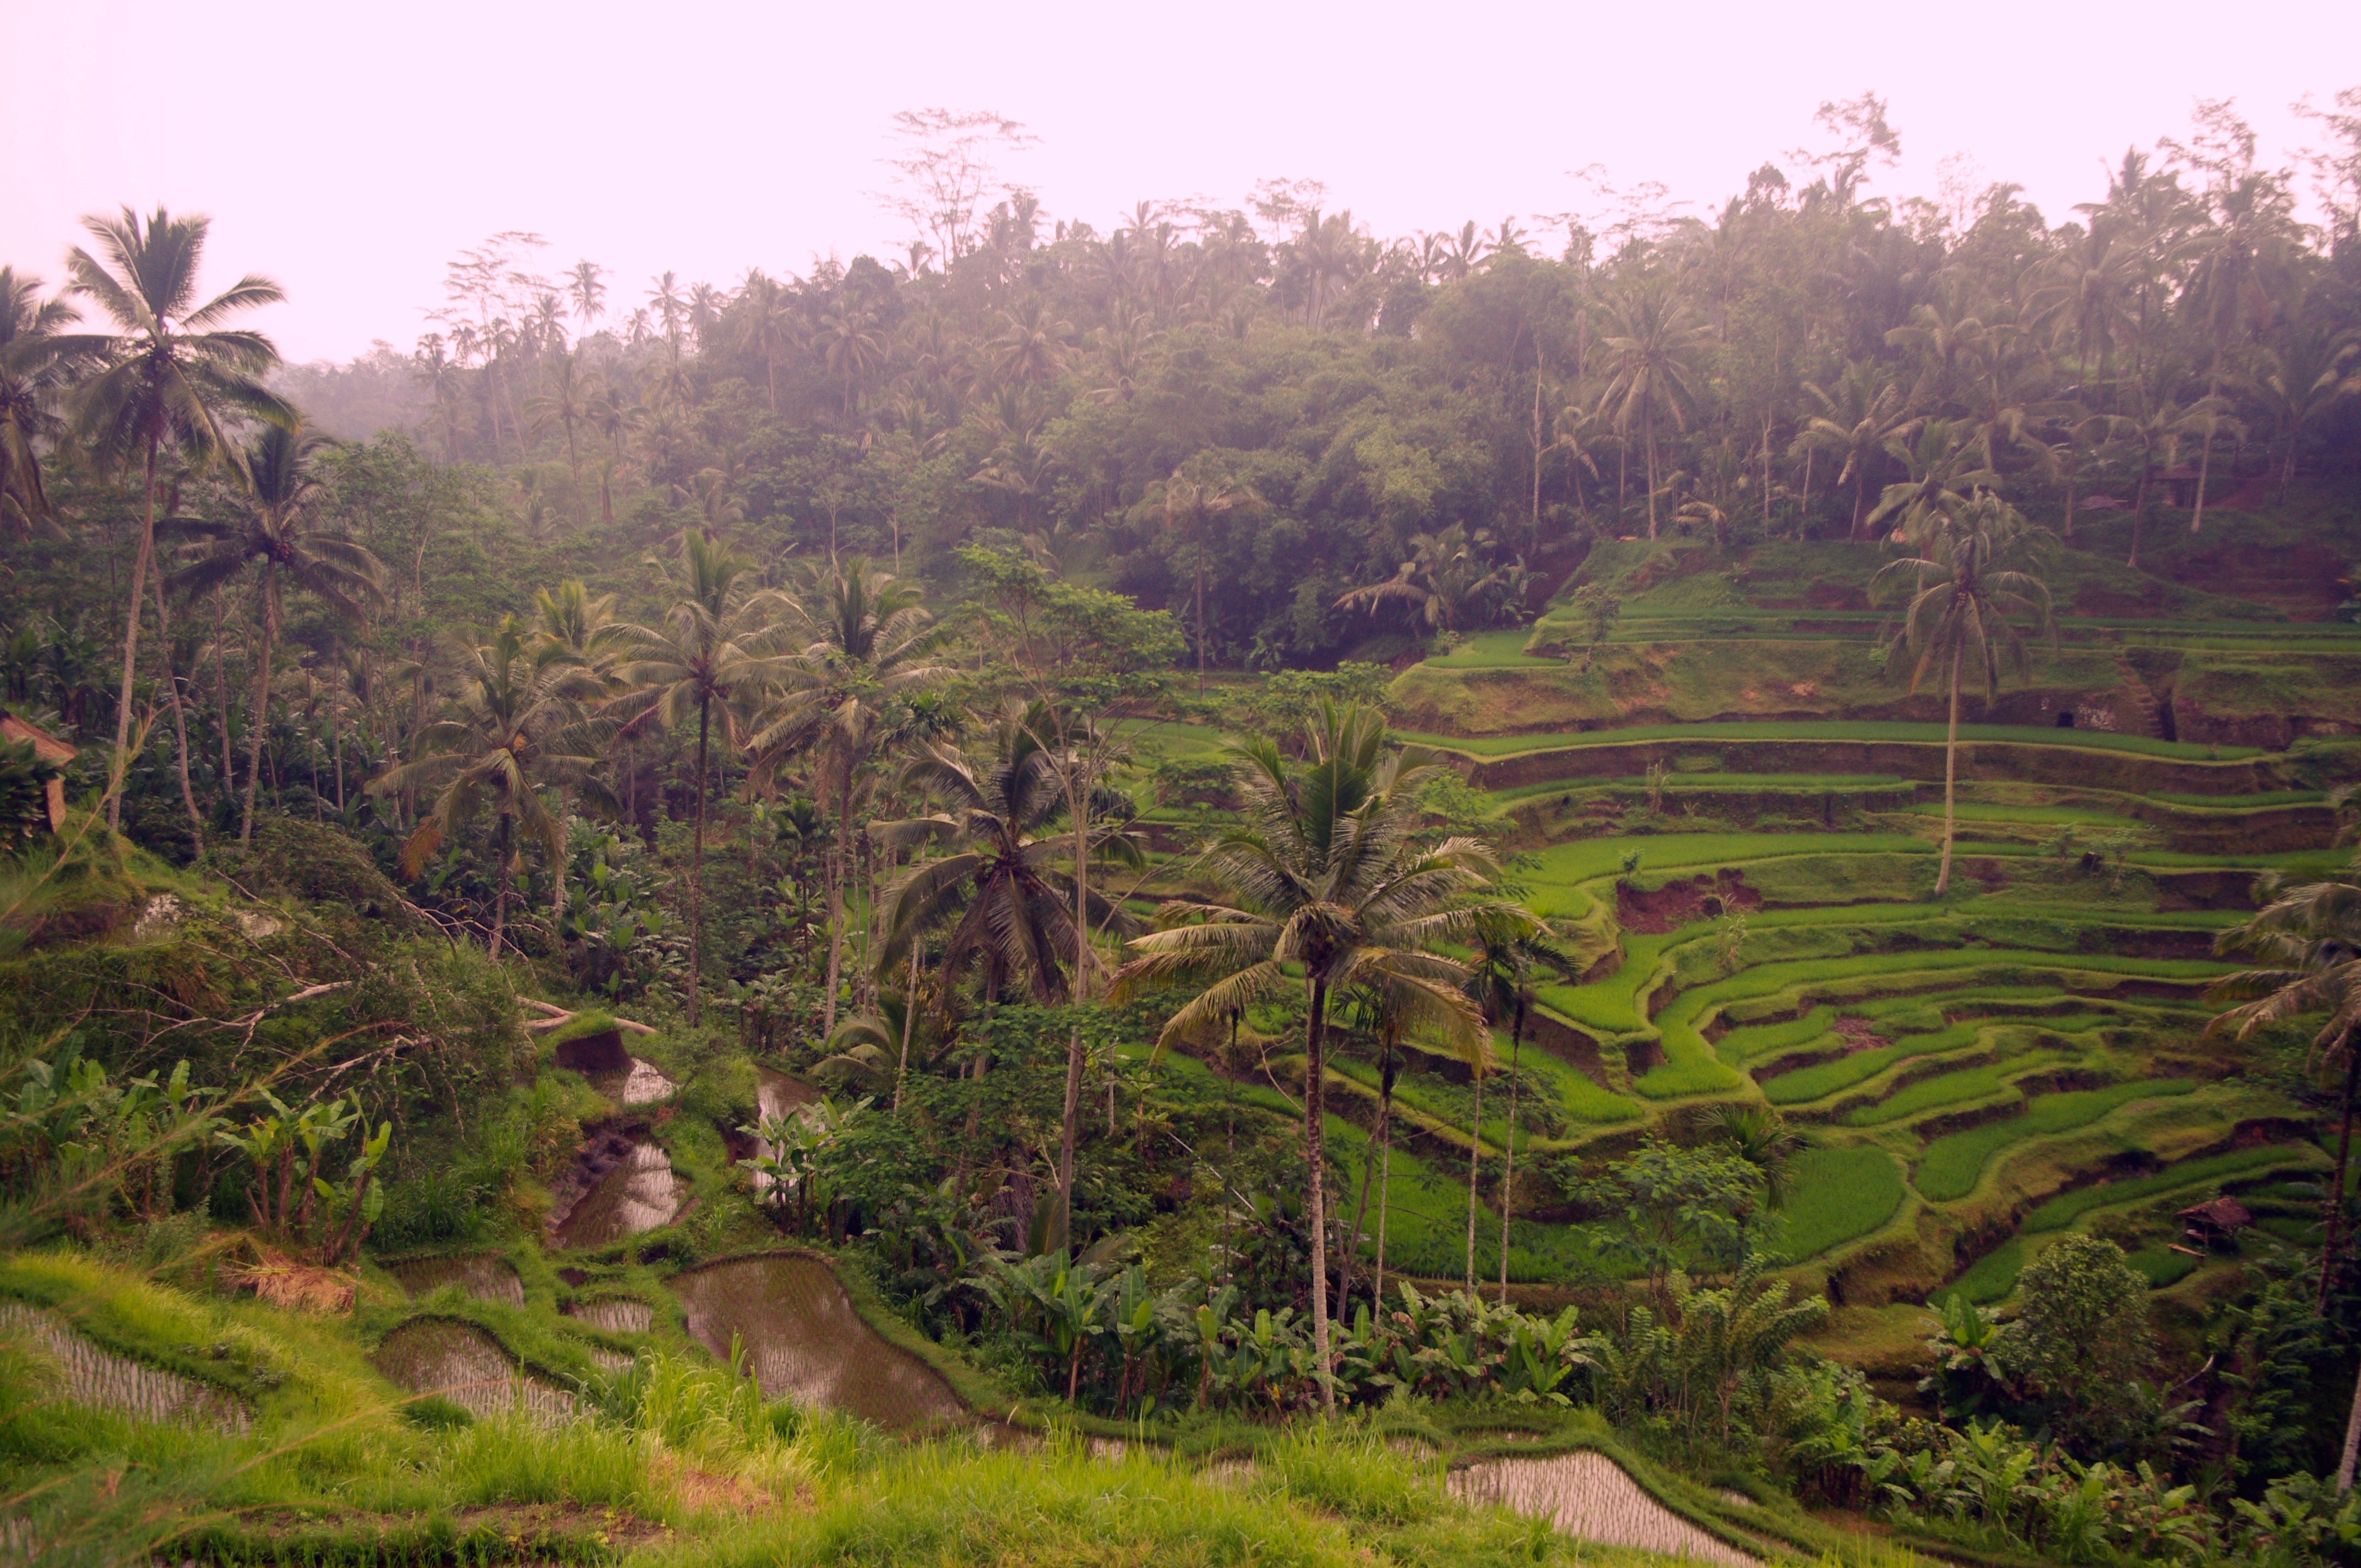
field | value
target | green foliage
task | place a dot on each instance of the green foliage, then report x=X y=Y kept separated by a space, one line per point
x=1951 y=1165
x=2062 y=1210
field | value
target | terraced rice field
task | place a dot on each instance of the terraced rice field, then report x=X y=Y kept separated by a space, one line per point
x=1751 y=895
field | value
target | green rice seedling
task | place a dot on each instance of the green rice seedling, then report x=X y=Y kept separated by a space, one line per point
x=2067 y=1207
x=1350 y=1472
x=1952 y=1165
x=1836 y=1194
x=1948 y=1089
x=1746 y=1043
x=513 y=1459
x=1823 y=1079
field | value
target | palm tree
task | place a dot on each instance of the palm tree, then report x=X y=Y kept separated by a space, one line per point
x=1188 y=500
x=283 y=539
x=170 y=374
x=1657 y=351
x=32 y=369
x=1510 y=944
x=766 y=327
x=572 y=626
x=2309 y=938
x=1969 y=591
x=517 y=733
x=1946 y=464
x=1856 y=423
x=565 y=400
x=2298 y=377
x=710 y=658
x=1001 y=889
x=1444 y=579
x=1332 y=891
x=863 y=642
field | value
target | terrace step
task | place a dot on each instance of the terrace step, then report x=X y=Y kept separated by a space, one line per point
x=2144 y=718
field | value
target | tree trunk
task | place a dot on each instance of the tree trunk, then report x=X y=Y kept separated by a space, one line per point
x=565 y=835
x=2335 y=1233
x=1649 y=425
x=1201 y=608
x=180 y=721
x=221 y=706
x=1385 y=1172
x=696 y=871
x=1950 y=779
x=501 y=881
x=2205 y=455
x=262 y=704
x=909 y=1012
x=1077 y=797
x=1315 y=1040
x=2351 y=1443
x=131 y=632
x=1475 y=1169
x=836 y=903
x=1508 y=1164
x=1860 y=500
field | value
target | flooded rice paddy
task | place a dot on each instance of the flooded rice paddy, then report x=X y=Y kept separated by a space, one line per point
x=804 y=1341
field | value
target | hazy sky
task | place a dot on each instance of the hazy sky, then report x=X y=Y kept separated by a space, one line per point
x=348 y=151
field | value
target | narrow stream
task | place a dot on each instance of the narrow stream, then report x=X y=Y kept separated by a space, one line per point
x=805 y=1341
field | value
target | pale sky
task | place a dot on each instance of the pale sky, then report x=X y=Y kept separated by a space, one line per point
x=349 y=150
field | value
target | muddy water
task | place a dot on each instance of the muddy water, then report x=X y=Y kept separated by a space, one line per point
x=615 y=1316
x=466 y=1366
x=639 y=1194
x=642 y=1084
x=806 y=1341
x=486 y=1278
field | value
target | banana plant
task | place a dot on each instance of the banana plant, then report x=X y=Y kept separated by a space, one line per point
x=353 y=1204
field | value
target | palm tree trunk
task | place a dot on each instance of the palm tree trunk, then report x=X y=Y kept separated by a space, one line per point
x=221 y=703
x=1950 y=779
x=1200 y=609
x=1315 y=1040
x=2334 y=1235
x=836 y=903
x=1648 y=423
x=1860 y=499
x=501 y=883
x=131 y=630
x=1475 y=1169
x=180 y=721
x=696 y=871
x=1803 y=507
x=909 y=1012
x=1508 y=1164
x=2205 y=453
x=261 y=705
x=1385 y=1172
x=2351 y=1443
x=1077 y=796
x=557 y=871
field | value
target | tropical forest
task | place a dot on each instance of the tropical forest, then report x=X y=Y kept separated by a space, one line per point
x=1200 y=886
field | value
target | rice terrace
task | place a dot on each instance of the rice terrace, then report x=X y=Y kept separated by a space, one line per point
x=1640 y=886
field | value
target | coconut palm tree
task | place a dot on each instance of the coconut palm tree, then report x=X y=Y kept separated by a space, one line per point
x=32 y=374
x=567 y=391
x=859 y=640
x=573 y=626
x=1444 y=580
x=518 y=732
x=710 y=657
x=170 y=374
x=1656 y=357
x=1187 y=501
x=1001 y=890
x=1333 y=890
x=1855 y=426
x=285 y=540
x=1972 y=596
x=1510 y=945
